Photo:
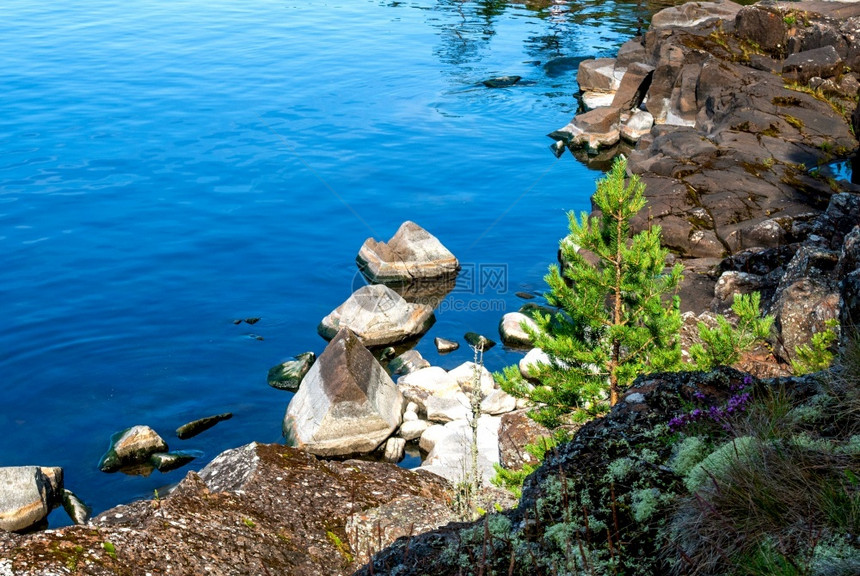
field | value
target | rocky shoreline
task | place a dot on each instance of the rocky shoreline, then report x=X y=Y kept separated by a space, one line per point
x=735 y=114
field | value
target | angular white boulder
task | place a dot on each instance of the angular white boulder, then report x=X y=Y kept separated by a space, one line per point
x=27 y=494
x=412 y=429
x=433 y=380
x=411 y=254
x=379 y=316
x=347 y=403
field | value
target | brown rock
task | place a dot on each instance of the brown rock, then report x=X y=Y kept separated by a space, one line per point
x=515 y=431
x=411 y=254
x=634 y=85
x=821 y=62
x=762 y=25
x=259 y=509
x=597 y=75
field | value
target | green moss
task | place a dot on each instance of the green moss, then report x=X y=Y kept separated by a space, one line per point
x=795 y=122
x=110 y=549
x=341 y=547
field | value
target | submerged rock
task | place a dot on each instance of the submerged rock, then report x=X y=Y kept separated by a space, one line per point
x=167 y=461
x=77 y=510
x=478 y=341
x=288 y=376
x=130 y=447
x=378 y=316
x=412 y=254
x=197 y=426
x=347 y=403
x=501 y=81
x=27 y=495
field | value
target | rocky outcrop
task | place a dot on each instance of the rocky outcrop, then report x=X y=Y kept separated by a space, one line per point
x=800 y=282
x=347 y=404
x=726 y=164
x=27 y=495
x=259 y=509
x=412 y=254
x=379 y=316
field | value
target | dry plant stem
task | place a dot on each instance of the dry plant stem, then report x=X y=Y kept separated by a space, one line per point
x=475 y=401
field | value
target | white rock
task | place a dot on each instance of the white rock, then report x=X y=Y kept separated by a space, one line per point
x=498 y=402
x=638 y=125
x=512 y=331
x=448 y=408
x=451 y=453
x=592 y=100
x=464 y=374
x=430 y=436
x=535 y=357
x=395 y=449
x=412 y=429
x=433 y=380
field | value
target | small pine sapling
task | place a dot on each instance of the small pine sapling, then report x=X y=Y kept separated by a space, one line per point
x=617 y=317
x=725 y=344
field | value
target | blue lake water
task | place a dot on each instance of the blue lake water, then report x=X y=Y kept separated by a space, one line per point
x=168 y=167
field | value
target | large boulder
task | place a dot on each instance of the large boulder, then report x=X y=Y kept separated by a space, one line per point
x=762 y=25
x=379 y=316
x=347 y=403
x=411 y=254
x=131 y=447
x=27 y=494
